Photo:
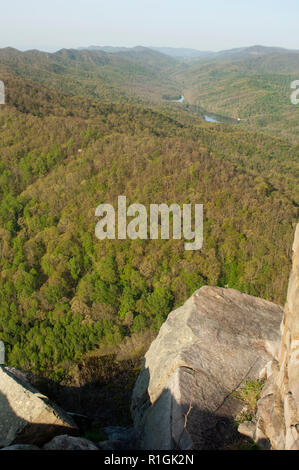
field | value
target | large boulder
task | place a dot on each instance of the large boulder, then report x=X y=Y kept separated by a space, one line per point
x=278 y=407
x=26 y=416
x=119 y=438
x=183 y=397
x=66 y=442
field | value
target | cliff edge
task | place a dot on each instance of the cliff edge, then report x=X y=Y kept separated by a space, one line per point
x=184 y=396
x=278 y=407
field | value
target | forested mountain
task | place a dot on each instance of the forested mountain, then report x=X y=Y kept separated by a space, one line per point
x=132 y=75
x=186 y=54
x=80 y=128
x=63 y=292
x=251 y=52
x=174 y=52
x=252 y=84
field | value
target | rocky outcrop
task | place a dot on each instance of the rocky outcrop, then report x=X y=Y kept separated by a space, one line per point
x=66 y=442
x=21 y=447
x=26 y=416
x=183 y=397
x=278 y=407
x=119 y=438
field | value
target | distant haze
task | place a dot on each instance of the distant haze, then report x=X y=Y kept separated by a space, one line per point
x=192 y=54
x=190 y=24
x=176 y=52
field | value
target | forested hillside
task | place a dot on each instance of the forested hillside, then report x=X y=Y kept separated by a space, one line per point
x=64 y=293
x=250 y=84
x=132 y=75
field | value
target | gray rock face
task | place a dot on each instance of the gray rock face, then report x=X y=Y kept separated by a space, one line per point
x=247 y=429
x=116 y=444
x=21 y=447
x=119 y=438
x=26 y=416
x=66 y=442
x=204 y=351
x=278 y=407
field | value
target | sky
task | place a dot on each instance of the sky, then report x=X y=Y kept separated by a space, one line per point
x=199 y=24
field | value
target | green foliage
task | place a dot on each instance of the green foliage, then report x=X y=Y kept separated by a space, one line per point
x=159 y=302
x=139 y=324
x=250 y=392
x=63 y=293
x=59 y=338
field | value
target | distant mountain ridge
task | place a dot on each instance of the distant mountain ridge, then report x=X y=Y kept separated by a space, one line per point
x=174 y=52
x=81 y=127
x=183 y=53
x=130 y=74
x=250 y=83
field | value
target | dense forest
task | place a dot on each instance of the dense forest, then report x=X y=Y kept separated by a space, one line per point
x=64 y=149
x=252 y=85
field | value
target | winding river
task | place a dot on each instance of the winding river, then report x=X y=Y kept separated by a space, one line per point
x=210 y=118
x=181 y=100
x=205 y=116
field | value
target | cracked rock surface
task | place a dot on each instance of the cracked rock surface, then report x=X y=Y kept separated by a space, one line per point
x=204 y=351
x=27 y=416
x=278 y=407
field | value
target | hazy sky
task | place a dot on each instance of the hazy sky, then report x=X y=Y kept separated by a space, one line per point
x=200 y=24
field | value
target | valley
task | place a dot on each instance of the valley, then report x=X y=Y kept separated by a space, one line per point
x=81 y=127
